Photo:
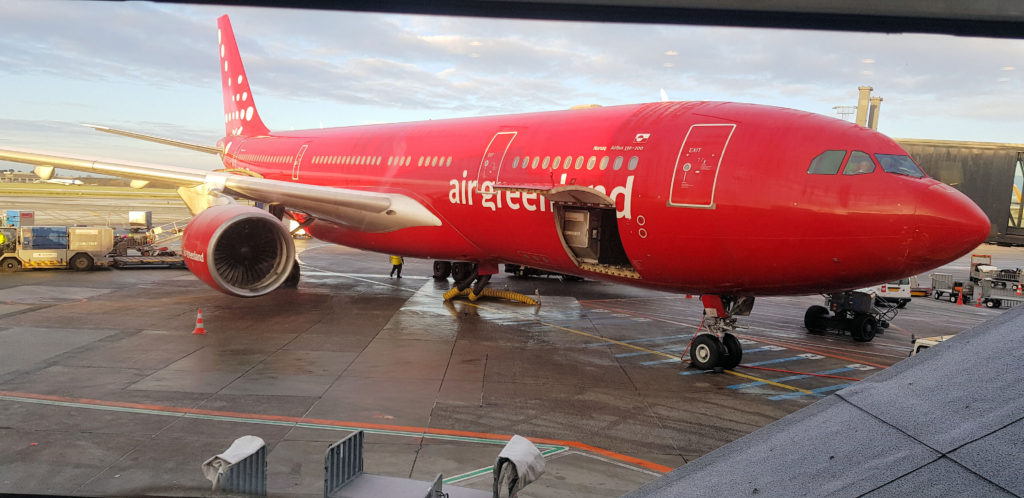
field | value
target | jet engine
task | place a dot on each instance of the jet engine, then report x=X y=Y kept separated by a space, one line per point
x=239 y=250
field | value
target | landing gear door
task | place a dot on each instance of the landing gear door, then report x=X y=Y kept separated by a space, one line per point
x=490 y=164
x=696 y=172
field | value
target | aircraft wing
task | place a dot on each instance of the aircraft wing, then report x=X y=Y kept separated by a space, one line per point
x=160 y=140
x=357 y=209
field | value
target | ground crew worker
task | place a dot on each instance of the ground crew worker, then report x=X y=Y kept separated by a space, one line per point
x=396 y=265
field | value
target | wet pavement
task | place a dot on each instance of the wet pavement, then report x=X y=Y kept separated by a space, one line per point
x=104 y=390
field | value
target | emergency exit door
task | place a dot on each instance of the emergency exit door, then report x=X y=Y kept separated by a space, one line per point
x=494 y=154
x=696 y=172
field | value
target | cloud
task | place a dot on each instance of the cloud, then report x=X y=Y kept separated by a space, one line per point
x=443 y=66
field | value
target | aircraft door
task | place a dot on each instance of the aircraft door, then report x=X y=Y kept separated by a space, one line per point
x=490 y=164
x=696 y=172
x=297 y=162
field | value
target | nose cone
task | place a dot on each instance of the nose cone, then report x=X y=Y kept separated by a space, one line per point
x=948 y=225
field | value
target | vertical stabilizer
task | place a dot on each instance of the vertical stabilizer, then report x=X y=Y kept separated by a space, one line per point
x=240 y=116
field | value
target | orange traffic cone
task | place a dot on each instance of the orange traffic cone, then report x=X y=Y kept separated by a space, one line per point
x=960 y=298
x=1019 y=288
x=979 y=301
x=199 y=330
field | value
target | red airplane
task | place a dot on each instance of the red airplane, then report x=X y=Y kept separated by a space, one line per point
x=726 y=200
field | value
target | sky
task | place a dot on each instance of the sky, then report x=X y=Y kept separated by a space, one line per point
x=154 y=69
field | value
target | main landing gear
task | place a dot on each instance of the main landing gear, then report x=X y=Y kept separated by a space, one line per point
x=718 y=348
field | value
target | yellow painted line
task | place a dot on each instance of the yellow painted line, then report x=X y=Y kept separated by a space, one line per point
x=654 y=352
x=612 y=341
x=770 y=383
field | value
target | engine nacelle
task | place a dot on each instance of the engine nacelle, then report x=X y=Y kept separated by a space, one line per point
x=239 y=250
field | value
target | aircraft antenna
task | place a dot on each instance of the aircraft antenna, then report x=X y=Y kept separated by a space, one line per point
x=845 y=111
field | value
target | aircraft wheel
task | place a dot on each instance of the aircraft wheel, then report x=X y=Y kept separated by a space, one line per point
x=461 y=271
x=80 y=262
x=814 y=318
x=706 y=352
x=863 y=328
x=10 y=265
x=442 y=269
x=733 y=350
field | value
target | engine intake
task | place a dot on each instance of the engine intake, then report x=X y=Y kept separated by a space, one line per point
x=239 y=250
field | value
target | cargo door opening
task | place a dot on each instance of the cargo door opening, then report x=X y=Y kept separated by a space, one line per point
x=590 y=235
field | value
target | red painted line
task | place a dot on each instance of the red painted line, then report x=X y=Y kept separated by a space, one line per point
x=801 y=373
x=753 y=338
x=341 y=423
x=810 y=350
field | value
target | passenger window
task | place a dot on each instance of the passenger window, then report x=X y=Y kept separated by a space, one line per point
x=547 y=159
x=591 y=162
x=448 y=162
x=632 y=163
x=554 y=165
x=617 y=165
x=579 y=162
x=859 y=163
x=515 y=162
x=900 y=165
x=604 y=163
x=420 y=161
x=827 y=163
x=408 y=160
x=535 y=161
x=526 y=162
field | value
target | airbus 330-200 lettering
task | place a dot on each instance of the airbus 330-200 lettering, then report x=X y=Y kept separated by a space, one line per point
x=726 y=200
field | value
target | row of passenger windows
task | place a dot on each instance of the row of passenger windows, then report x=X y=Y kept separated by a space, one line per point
x=860 y=162
x=446 y=161
x=425 y=161
x=556 y=162
x=264 y=158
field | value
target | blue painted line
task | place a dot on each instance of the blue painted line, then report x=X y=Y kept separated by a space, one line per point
x=819 y=391
x=755 y=364
x=758 y=350
x=656 y=362
x=777 y=360
x=791 y=377
x=635 y=341
x=634 y=353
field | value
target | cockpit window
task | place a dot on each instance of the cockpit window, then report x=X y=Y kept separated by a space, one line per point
x=827 y=163
x=901 y=165
x=859 y=164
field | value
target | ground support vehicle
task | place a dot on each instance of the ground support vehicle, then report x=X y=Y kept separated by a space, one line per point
x=927 y=342
x=998 y=293
x=897 y=292
x=853 y=312
x=77 y=248
x=944 y=287
x=992 y=285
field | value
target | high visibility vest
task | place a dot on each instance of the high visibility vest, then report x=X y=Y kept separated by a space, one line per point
x=396 y=260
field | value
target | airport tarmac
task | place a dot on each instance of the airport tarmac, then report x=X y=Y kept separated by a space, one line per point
x=104 y=390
